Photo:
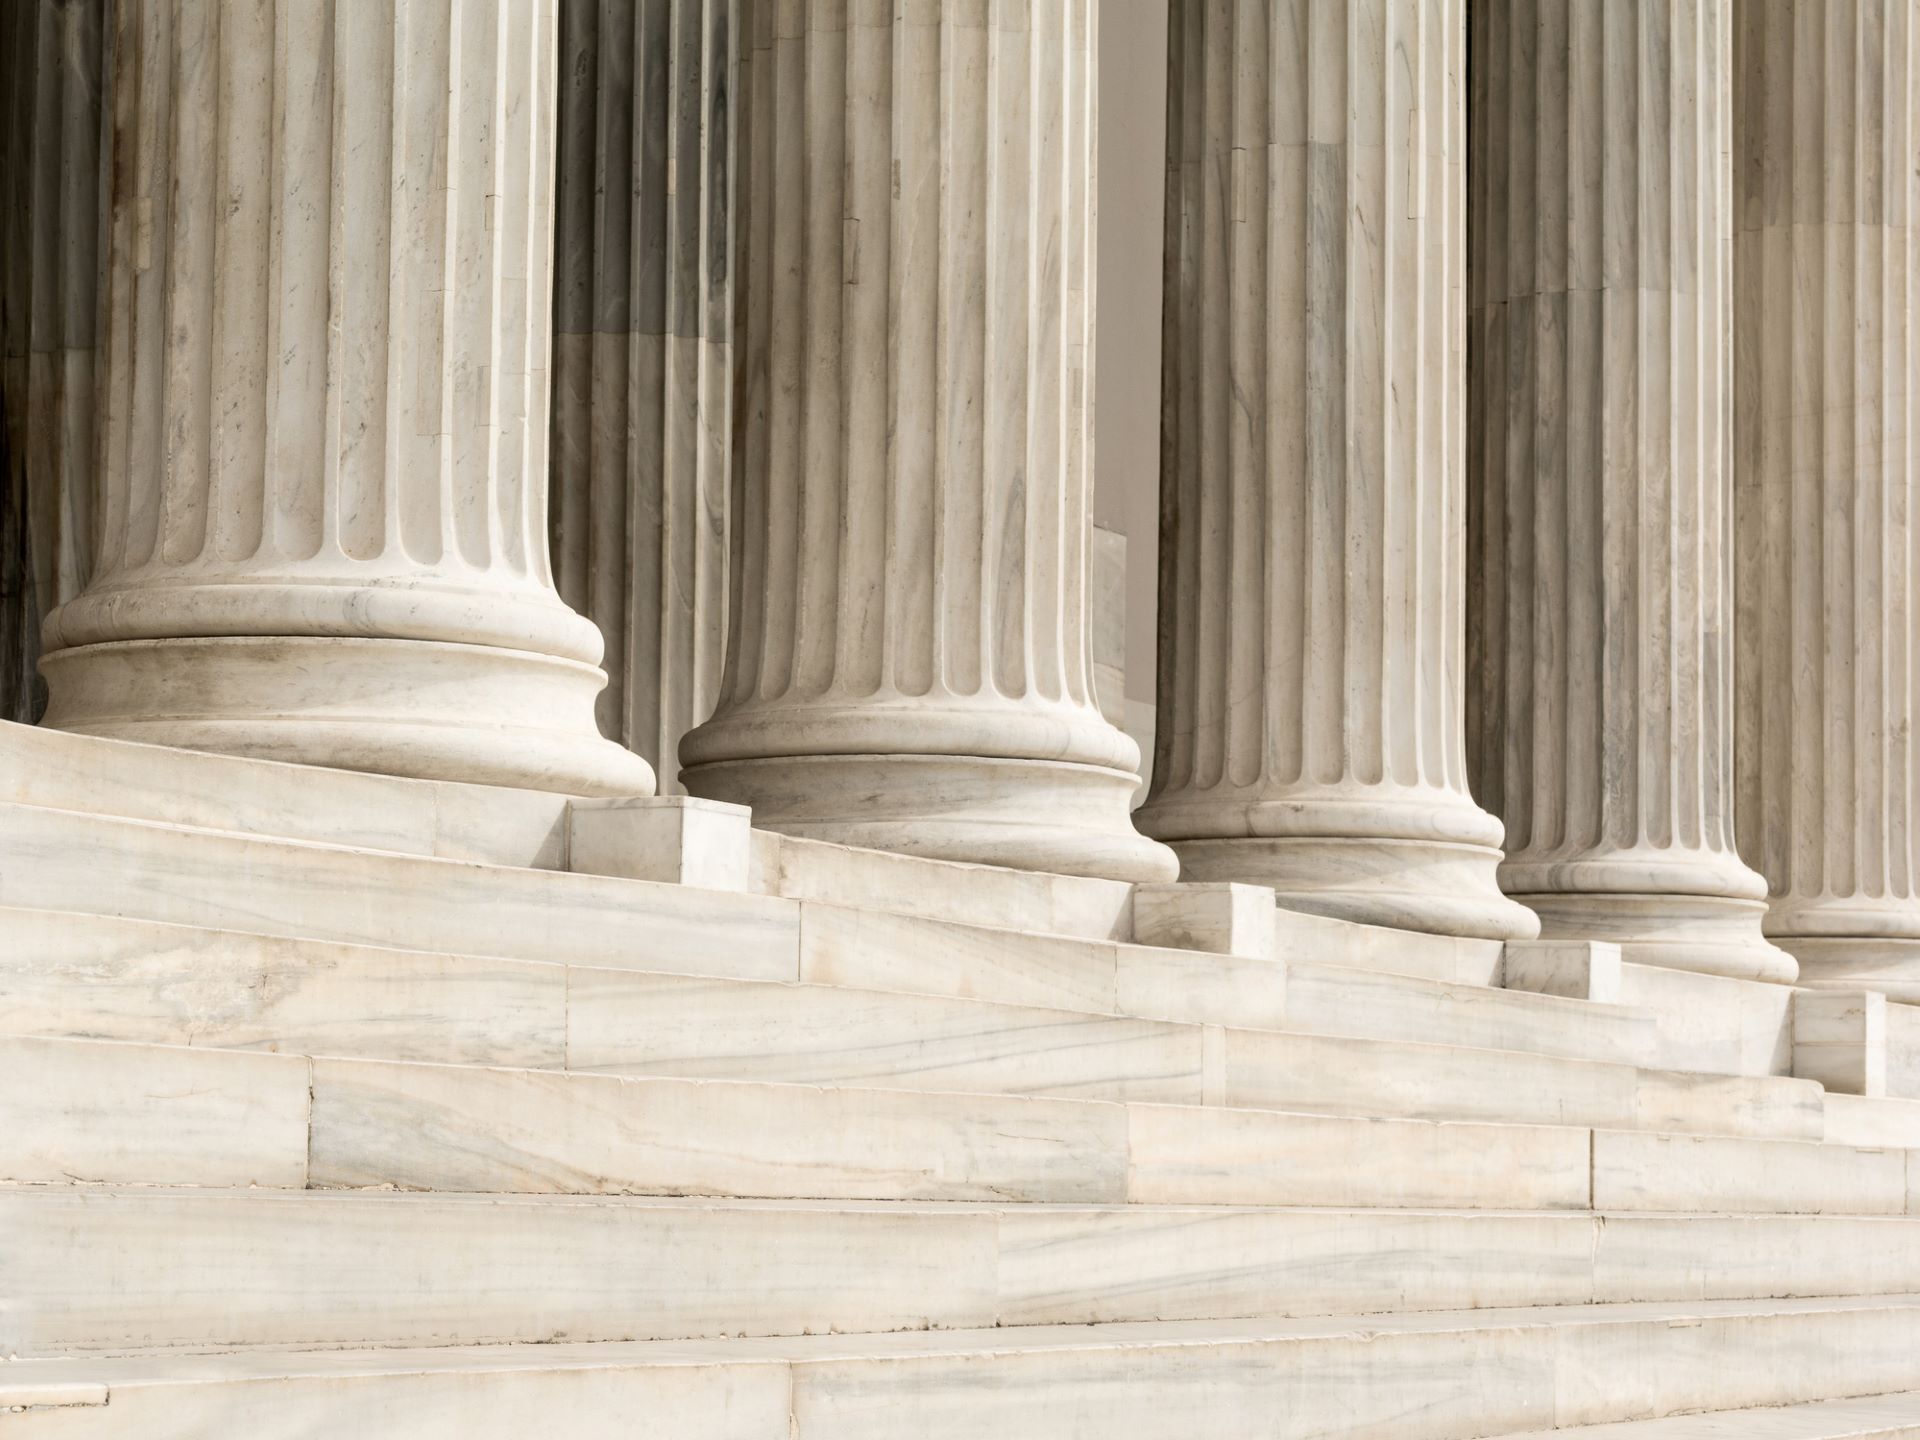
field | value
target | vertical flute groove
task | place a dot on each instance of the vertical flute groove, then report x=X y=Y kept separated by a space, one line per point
x=1311 y=670
x=642 y=368
x=1600 y=396
x=1824 y=414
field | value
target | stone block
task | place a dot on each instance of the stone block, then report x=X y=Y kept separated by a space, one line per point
x=1840 y=1040
x=1582 y=969
x=672 y=839
x=1225 y=918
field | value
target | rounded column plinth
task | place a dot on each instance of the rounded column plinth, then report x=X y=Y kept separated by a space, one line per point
x=909 y=661
x=1889 y=964
x=1422 y=865
x=1696 y=911
x=1055 y=816
x=1851 y=942
x=423 y=709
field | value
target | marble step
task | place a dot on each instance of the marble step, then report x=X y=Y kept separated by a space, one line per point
x=303 y=891
x=1880 y=1417
x=70 y=974
x=1864 y=1120
x=1342 y=1000
x=268 y=798
x=113 y=1269
x=114 y=1112
x=1437 y=1376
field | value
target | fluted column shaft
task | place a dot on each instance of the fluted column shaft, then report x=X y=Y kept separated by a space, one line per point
x=909 y=659
x=1826 y=381
x=642 y=354
x=51 y=72
x=323 y=422
x=1312 y=521
x=1600 y=409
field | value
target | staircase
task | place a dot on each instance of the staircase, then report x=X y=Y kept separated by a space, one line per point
x=333 y=1104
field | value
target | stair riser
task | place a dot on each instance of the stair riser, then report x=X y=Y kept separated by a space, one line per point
x=191 y=878
x=1325 y=1000
x=1420 y=1386
x=115 y=1270
x=1700 y=1172
x=1353 y=1077
x=127 y=980
x=54 y=860
x=155 y=1115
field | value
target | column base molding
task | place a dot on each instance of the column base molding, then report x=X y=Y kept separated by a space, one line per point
x=1047 y=815
x=1888 y=964
x=1441 y=887
x=417 y=708
x=1707 y=934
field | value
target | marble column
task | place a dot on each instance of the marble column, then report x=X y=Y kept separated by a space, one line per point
x=1599 y=413
x=51 y=73
x=323 y=418
x=642 y=363
x=909 y=659
x=1312 y=523
x=1826 y=378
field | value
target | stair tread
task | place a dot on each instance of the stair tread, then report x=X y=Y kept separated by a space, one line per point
x=107 y=1193
x=809 y=1349
x=986 y=1008
x=1882 y=1415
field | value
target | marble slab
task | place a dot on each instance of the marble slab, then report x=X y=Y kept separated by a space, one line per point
x=1221 y=917
x=1903 y=1051
x=452 y=1128
x=669 y=839
x=93 y=1111
x=623 y=1021
x=1578 y=969
x=1433 y=1082
x=547 y=1392
x=1881 y=1417
x=880 y=950
x=1067 y=1267
x=489 y=823
x=69 y=974
x=53 y=860
x=1213 y=1156
x=1840 y=1039
x=1325 y=940
x=129 y=1269
x=1730 y=1257
x=1387 y=1377
x=1872 y=1123
x=1734 y=1354
x=1769 y=1107
x=1338 y=1000
x=992 y=895
x=1641 y=1171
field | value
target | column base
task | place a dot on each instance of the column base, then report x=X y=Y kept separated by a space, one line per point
x=1707 y=934
x=423 y=709
x=1440 y=887
x=1887 y=964
x=1045 y=815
